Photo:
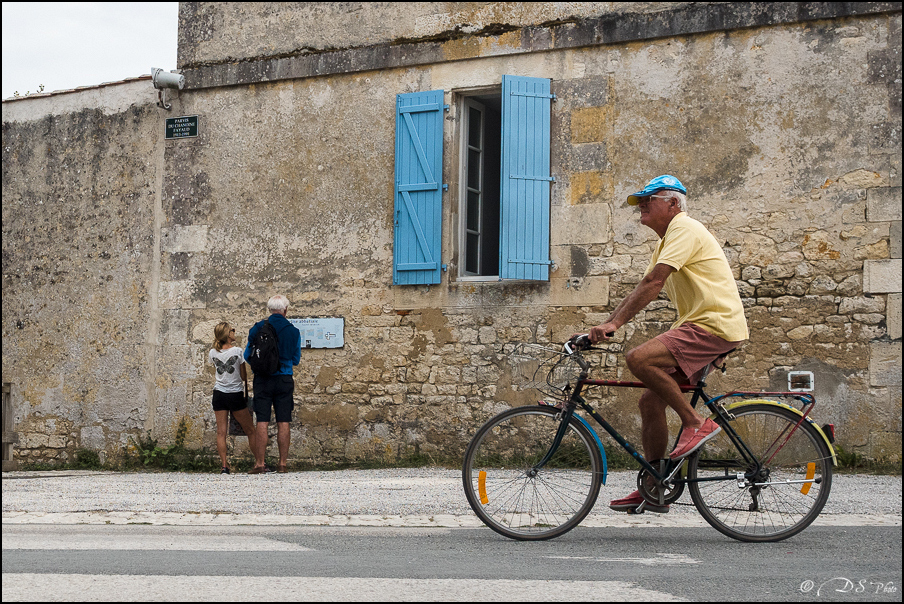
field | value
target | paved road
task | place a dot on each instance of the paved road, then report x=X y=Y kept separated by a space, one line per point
x=395 y=535
x=139 y=563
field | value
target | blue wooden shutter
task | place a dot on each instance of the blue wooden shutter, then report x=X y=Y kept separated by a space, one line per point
x=524 y=234
x=418 y=188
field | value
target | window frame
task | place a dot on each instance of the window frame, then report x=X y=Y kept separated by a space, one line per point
x=525 y=198
x=465 y=99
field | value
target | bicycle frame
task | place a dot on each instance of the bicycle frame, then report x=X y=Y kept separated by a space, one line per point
x=672 y=467
x=765 y=478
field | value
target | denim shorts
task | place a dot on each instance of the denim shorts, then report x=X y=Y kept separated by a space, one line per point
x=274 y=392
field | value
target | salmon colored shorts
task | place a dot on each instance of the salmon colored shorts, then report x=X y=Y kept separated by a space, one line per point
x=694 y=348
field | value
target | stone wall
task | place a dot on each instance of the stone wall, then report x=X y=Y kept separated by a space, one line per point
x=785 y=128
x=212 y=34
x=80 y=181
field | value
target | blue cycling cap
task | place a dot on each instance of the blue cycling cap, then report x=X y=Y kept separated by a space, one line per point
x=665 y=182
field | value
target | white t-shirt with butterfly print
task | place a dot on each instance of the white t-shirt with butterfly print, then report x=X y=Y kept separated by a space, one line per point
x=227 y=363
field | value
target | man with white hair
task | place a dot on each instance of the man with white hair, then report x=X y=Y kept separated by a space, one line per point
x=690 y=265
x=275 y=391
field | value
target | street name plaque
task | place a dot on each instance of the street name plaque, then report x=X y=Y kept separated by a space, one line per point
x=181 y=127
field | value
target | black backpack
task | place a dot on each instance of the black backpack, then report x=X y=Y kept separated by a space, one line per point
x=264 y=357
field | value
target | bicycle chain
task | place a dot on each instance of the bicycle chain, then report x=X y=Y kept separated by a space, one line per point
x=712 y=507
x=692 y=505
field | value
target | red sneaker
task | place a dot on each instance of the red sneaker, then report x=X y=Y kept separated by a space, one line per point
x=633 y=501
x=693 y=439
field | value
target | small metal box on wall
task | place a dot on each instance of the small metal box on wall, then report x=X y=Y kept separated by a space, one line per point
x=321 y=333
x=10 y=436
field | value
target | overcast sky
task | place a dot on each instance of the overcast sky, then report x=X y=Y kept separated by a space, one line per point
x=68 y=44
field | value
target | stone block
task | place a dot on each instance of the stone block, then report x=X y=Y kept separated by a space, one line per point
x=179 y=294
x=800 y=333
x=861 y=179
x=885 y=364
x=885 y=138
x=92 y=437
x=883 y=203
x=590 y=125
x=885 y=445
x=588 y=157
x=592 y=91
x=854 y=213
x=417 y=297
x=184 y=239
x=751 y=272
x=610 y=265
x=855 y=304
x=894 y=239
x=487 y=335
x=580 y=224
x=588 y=291
x=174 y=328
x=893 y=316
x=202 y=332
x=881 y=276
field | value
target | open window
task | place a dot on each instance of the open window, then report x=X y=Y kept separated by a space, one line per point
x=504 y=186
x=481 y=129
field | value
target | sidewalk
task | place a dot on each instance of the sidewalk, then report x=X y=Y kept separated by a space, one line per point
x=422 y=497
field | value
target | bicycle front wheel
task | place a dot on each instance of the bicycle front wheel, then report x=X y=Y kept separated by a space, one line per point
x=788 y=493
x=514 y=498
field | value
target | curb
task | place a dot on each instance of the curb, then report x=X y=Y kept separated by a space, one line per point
x=434 y=521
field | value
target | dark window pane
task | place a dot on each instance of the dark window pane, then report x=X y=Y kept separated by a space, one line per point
x=474 y=118
x=473 y=169
x=471 y=262
x=473 y=211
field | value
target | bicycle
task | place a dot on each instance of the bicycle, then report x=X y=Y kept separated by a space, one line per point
x=534 y=472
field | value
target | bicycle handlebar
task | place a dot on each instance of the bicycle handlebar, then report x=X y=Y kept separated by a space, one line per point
x=581 y=342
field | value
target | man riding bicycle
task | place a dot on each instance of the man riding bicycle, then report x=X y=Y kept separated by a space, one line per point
x=689 y=263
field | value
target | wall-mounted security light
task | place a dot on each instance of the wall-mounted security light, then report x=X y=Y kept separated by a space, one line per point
x=163 y=80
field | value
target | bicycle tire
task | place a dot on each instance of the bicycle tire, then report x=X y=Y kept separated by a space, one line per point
x=782 y=509
x=501 y=489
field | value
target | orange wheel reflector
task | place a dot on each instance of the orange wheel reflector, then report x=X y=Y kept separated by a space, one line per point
x=482 y=487
x=811 y=472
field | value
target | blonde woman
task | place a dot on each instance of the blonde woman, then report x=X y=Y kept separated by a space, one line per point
x=229 y=391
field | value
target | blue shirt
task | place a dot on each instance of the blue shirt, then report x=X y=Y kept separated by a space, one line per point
x=289 y=342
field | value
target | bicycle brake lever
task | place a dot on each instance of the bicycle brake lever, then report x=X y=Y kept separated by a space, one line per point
x=577 y=343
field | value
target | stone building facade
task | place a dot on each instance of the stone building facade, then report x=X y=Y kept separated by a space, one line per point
x=122 y=249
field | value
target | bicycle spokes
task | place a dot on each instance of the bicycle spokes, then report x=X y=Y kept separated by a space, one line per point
x=774 y=496
x=513 y=492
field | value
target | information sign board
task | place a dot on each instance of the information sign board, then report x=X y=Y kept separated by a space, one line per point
x=321 y=333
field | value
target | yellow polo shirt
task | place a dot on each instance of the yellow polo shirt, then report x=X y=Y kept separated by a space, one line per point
x=702 y=286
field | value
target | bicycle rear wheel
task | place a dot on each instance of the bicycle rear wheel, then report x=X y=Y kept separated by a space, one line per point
x=787 y=495
x=514 y=499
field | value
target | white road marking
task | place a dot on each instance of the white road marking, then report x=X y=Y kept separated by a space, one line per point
x=659 y=560
x=205 y=543
x=92 y=588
